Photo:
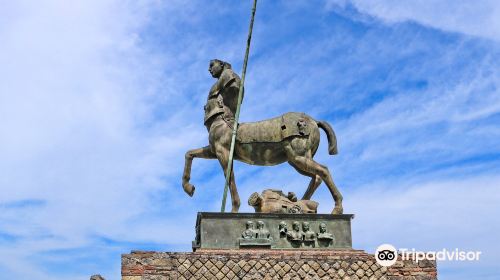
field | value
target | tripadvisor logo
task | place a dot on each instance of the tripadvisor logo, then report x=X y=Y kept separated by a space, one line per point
x=386 y=255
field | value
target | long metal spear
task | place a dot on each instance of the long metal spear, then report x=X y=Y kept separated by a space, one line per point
x=237 y=115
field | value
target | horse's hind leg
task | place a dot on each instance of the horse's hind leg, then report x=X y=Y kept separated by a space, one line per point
x=204 y=152
x=310 y=166
x=313 y=185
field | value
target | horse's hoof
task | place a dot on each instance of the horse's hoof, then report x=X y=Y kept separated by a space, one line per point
x=189 y=189
x=338 y=210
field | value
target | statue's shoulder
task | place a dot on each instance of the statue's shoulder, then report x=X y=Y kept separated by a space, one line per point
x=228 y=77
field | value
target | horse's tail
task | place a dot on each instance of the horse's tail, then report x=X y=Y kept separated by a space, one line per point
x=330 y=134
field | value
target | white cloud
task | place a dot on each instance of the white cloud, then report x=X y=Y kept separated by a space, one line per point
x=76 y=129
x=432 y=215
x=95 y=123
x=477 y=18
x=409 y=115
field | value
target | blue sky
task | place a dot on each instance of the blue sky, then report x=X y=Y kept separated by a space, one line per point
x=99 y=101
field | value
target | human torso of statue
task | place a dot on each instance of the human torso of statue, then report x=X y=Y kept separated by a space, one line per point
x=223 y=96
x=248 y=234
x=263 y=233
x=309 y=235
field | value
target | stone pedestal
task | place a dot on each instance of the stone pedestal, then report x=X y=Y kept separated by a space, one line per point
x=269 y=264
x=270 y=246
x=229 y=231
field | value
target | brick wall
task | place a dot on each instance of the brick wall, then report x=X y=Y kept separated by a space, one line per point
x=269 y=264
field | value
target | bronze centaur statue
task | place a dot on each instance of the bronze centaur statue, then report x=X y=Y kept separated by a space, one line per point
x=292 y=138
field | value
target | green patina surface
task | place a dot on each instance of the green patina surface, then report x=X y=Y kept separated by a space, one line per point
x=231 y=230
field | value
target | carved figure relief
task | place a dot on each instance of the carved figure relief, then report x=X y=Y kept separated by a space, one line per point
x=249 y=232
x=323 y=234
x=325 y=238
x=296 y=234
x=261 y=231
x=304 y=236
x=251 y=237
x=309 y=235
x=283 y=229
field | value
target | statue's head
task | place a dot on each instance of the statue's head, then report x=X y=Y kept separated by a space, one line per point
x=216 y=67
x=282 y=225
x=296 y=226
x=249 y=225
x=322 y=228
x=260 y=224
x=255 y=199
x=305 y=226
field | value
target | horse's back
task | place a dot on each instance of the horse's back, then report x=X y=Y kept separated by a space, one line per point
x=274 y=130
x=267 y=131
x=261 y=143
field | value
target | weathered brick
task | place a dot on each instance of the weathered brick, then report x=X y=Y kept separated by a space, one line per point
x=269 y=264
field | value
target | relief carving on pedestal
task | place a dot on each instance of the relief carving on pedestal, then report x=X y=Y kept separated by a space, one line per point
x=251 y=237
x=304 y=236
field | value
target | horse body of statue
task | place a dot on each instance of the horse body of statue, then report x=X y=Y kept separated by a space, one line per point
x=292 y=137
x=261 y=143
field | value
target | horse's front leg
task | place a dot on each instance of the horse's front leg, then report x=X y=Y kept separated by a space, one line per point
x=223 y=156
x=205 y=152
